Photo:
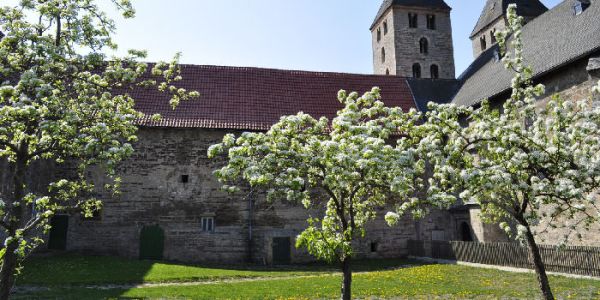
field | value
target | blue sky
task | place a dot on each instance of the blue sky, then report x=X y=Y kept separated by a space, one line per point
x=314 y=35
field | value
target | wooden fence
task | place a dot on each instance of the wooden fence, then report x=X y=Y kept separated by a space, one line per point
x=572 y=259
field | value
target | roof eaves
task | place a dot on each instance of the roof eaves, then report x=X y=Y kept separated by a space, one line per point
x=538 y=75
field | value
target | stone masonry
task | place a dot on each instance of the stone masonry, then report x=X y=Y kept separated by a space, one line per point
x=153 y=194
x=401 y=43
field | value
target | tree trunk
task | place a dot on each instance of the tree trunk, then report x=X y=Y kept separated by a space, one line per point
x=15 y=219
x=7 y=274
x=540 y=268
x=347 y=281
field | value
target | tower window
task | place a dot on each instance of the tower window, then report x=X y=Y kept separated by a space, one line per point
x=431 y=22
x=413 y=20
x=435 y=72
x=385 y=28
x=493 y=36
x=424 y=46
x=416 y=70
x=378 y=34
x=580 y=6
x=387 y=71
x=483 y=43
x=382 y=55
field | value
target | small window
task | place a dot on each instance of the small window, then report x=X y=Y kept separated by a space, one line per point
x=208 y=224
x=416 y=70
x=431 y=22
x=385 y=28
x=387 y=71
x=424 y=46
x=382 y=55
x=580 y=6
x=185 y=178
x=413 y=20
x=493 y=36
x=497 y=56
x=378 y=34
x=438 y=235
x=435 y=72
x=374 y=246
x=483 y=43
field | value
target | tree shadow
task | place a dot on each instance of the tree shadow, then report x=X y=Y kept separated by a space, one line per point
x=71 y=276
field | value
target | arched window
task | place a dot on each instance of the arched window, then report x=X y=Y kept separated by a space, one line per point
x=424 y=46
x=378 y=34
x=435 y=71
x=416 y=70
x=385 y=28
x=483 y=43
x=431 y=22
x=382 y=55
x=387 y=71
x=493 y=36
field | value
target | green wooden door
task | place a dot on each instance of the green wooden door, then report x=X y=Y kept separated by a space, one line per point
x=152 y=242
x=58 y=233
x=282 y=251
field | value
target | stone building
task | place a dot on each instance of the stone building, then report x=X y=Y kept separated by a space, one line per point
x=413 y=39
x=171 y=206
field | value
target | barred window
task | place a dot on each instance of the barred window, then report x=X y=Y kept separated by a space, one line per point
x=208 y=224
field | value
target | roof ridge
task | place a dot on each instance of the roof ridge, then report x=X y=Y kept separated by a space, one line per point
x=495 y=9
x=387 y=4
x=249 y=68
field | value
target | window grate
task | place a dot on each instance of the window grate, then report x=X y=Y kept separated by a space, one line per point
x=208 y=224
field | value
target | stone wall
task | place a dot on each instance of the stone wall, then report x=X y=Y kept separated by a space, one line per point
x=153 y=194
x=571 y=82
x=441 y=51
x=402 y=43
x=386 y=42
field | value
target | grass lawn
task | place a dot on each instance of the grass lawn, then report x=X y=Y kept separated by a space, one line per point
x=65 y=277
x=78 y=270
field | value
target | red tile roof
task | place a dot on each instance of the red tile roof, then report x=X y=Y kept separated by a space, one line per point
x=255 y=99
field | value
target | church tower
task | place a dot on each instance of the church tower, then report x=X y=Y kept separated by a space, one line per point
x=493 y=18
x=413 y=38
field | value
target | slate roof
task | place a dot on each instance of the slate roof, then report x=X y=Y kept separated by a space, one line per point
x=495 y=9
x=552 y=40
x=255 y=99
x=416 y=3
x=432 y=90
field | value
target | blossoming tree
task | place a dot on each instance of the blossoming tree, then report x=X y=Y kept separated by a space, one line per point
x=527 y=164
x=62 y=101
x=345 y=169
